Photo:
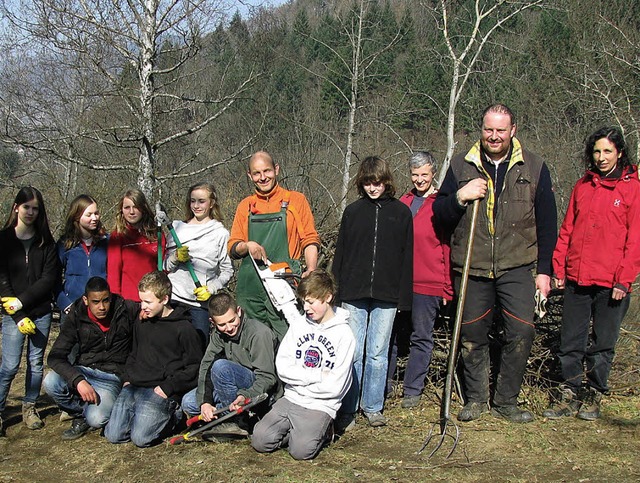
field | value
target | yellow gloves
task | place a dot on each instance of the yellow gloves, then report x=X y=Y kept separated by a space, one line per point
x=26 y=326
x=182 y=254
x=202 y=293
x=11 y=304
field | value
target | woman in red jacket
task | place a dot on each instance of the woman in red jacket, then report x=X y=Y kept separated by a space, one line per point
x=596 y=260
x=133 y=245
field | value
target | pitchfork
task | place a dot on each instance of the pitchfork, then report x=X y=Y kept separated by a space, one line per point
x=445 y=422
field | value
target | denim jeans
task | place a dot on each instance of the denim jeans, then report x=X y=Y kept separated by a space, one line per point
x=371 y=322
x=424 y=312
x=580 y=305
x=106 y=384
x=141 y=416
x=200 y=321
x=12 y=344
x=227 y=377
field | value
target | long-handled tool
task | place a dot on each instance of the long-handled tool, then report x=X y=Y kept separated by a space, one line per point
x=189 y=436
x=163 y=220
x=445 y=421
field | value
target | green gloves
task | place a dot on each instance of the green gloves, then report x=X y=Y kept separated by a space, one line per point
x=182 y=254
x=11 y=304
x=202 y=294
x=26 y=326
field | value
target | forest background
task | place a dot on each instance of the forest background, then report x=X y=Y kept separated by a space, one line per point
x=100 y=96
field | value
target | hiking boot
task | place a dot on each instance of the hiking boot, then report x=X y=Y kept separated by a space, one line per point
x=78 y=429
x=472 y=410
x=566 y=404
x=512 y=413
x=344 y=422
x=590 y=408
x=376 y=419
x=30 y=416
x=225 y=432
x=65 y=416
x=409 y=402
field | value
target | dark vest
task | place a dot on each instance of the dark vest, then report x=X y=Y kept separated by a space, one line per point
x=513 y=243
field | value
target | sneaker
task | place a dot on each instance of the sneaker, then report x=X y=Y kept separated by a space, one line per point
x=512 y=413
x=566 y=404
x=472 y=410
x=30 y=416
x=590 y=408
x=345 y=422
x=409 y=402
x=78 y=429
x=376 y=419
x=225 y=432
x=65 y=416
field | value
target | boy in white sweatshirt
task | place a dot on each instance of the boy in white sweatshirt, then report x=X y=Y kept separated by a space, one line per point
x=315 y=361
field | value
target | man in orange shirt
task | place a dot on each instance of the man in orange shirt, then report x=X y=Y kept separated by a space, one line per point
x=272 y=223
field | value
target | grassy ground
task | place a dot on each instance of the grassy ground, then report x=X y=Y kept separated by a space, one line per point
x=489 y=449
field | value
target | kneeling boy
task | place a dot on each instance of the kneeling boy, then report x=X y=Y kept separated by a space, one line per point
x=161 y=368
x=100 y=324
x=237 y=365
x=315 y=361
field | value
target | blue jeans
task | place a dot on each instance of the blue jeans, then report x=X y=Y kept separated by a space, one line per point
x=107 y=386
x=424 y=312
x=12 y=344
x=141 y=416
x=200 y=321
x=580 y=305
x=227 y=377
x=371 y=322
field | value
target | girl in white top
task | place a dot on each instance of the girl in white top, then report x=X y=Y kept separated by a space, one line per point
x=204 y=241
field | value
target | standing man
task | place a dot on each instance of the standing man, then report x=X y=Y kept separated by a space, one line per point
x=272 y=223
x=514 y=239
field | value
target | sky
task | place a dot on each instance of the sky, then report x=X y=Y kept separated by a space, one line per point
x=244 y=6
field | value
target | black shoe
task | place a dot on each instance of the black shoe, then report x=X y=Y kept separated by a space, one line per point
x=472 y=410
x=590 y=408
x=3 y=433
x=78 y=429
x=566 y=404
x=512 y=413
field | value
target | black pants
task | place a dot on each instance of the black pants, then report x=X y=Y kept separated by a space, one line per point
x=513 y=292
x=580 y=304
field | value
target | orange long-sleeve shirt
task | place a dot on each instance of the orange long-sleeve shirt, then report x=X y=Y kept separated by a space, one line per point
x=301 y=230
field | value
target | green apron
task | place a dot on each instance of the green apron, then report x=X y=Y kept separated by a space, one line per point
x=270 y=231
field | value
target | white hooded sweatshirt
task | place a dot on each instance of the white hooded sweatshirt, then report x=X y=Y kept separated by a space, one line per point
x=315 y=361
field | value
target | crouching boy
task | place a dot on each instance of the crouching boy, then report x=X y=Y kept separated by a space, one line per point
x=239 y=364
x=315 y=361
x=100 y=324
x=161 y=368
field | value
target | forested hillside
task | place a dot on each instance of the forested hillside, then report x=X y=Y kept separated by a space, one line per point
x=97 y=97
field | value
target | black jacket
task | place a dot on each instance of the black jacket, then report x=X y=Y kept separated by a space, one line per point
x=166 y=352
x=30 y=278
x=374 y=252
x=105 y=351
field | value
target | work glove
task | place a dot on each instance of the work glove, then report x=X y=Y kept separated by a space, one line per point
x=182 y=254
x=26 y=326
x=202 y=293
x=11 y=304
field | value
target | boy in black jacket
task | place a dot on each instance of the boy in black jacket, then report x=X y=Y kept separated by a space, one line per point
x=100 y=324
x=162 y=366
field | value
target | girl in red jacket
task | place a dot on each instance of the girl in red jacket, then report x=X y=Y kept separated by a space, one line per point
x=596 y=260
x=133 y=245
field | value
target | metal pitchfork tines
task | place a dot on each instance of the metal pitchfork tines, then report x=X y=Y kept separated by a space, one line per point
x=445 y=423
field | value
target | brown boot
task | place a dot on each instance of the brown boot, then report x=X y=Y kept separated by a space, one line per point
x=30 y=416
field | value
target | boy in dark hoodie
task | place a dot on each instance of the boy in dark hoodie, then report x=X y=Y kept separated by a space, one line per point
x=162 y=366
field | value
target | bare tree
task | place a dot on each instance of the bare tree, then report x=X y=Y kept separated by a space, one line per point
x=119 y=79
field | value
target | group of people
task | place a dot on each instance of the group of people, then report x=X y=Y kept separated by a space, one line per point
x=148 y=331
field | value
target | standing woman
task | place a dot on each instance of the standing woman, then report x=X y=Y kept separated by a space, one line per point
x=133 y=245
x=431 y=273
x=82 y=250
x=596 y=259
x=204 y=241
x=373 y=268
x=29 y=270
